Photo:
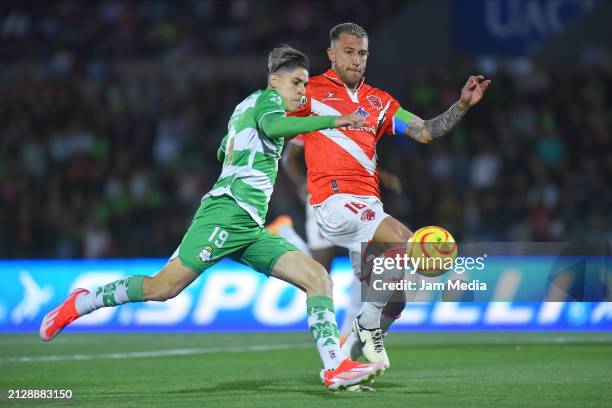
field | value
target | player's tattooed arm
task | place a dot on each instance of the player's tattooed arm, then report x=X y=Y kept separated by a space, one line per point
x=425 y=131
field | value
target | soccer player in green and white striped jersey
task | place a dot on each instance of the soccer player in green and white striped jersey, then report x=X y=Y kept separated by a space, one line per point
x=229 y=222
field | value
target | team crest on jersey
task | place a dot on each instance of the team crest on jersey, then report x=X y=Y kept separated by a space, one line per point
x=303 y=100
x=362 y=111
x=375 y=102
x=206 y=254
x=276 y=99
x=368 y=215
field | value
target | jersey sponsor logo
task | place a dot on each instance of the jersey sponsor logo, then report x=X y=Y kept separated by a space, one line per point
x=330 y=97
x=206 y=254
x=368 y=129
x=368 y=215
x=343 y=140
x=362 y=111
x=375 y=102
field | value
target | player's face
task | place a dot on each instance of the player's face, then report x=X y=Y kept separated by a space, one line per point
x=291 y=86
x=349 y=55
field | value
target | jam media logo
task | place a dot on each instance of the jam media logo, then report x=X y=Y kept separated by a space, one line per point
x=375 y=102
x=362 y=111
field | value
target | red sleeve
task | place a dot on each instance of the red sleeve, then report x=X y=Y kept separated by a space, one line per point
x=390 y=106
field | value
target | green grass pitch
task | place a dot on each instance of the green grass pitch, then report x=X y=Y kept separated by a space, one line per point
x=281 y=370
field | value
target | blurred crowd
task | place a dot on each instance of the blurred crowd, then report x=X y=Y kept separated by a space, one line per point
x=114 y=166
x=531 y=162
x=86 y=32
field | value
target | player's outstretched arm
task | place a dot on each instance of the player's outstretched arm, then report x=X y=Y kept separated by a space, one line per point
x=424 y=131
x=276 y=126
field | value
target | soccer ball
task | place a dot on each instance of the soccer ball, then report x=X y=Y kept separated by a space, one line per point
x=433 y=249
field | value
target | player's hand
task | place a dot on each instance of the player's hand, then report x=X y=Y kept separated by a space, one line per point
x=473 y=90
x=351 y=120
x=390 y=181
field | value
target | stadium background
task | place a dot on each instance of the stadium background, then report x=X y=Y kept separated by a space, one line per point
x=111 y=114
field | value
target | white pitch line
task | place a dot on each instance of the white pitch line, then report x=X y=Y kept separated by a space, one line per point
x=156 y=353
x=35 y=340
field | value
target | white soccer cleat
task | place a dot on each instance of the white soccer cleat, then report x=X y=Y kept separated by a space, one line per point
x=371 y=342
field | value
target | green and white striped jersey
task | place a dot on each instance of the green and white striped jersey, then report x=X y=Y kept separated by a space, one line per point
x=250 y=157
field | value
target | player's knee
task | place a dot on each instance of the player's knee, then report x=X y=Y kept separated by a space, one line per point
x=320 y=281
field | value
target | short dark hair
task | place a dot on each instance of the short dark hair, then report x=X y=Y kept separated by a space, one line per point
x=285 y=56
x=346 y=28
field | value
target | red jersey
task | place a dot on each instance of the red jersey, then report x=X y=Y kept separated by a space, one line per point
x=343 y=160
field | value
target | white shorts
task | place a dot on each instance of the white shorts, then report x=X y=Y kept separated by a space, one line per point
x=347 y=220
x=313 y=234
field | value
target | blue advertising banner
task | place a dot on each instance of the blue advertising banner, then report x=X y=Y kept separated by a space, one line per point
x=512 y=27
x=232 y=297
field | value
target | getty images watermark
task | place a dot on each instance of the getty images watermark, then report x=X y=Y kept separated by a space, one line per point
x=398 y=265
x=486 y=271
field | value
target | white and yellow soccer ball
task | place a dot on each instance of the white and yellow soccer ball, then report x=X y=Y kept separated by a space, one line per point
x=433 y=249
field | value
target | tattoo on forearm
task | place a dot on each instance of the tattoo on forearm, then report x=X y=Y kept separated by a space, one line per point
x=425 y=131
x=441 y=124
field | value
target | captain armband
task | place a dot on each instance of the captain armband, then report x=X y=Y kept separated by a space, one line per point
x=401 y=120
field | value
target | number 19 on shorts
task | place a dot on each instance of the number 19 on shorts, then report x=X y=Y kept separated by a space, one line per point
x=221 y=236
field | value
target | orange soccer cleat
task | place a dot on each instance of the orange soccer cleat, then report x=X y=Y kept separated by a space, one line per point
x=55 y=321
x=350 y=373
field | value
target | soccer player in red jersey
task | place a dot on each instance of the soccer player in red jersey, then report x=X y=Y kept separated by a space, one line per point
x=342 y=176
x=316 y=245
